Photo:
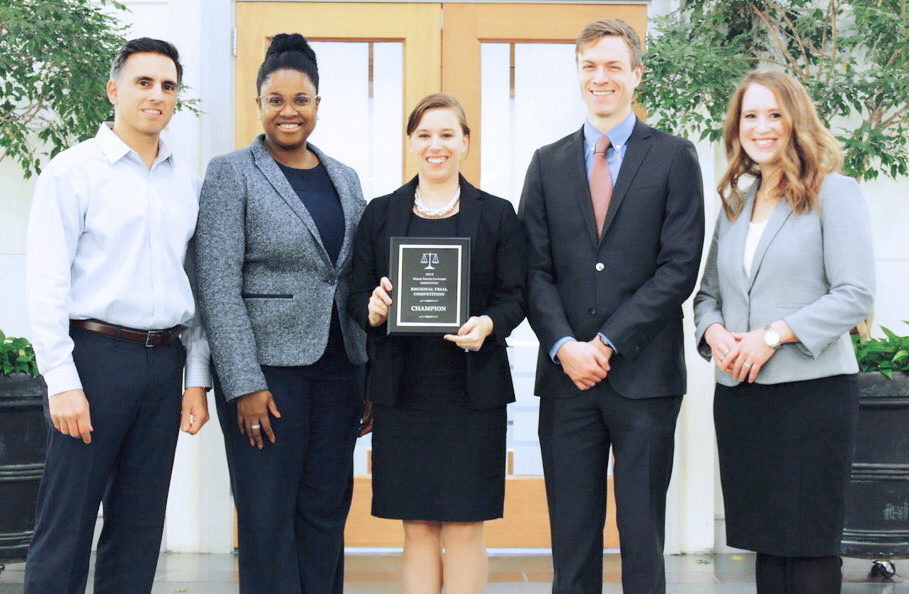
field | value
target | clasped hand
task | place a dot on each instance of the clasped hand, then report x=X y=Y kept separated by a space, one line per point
x=740 y=354
x=585 y=363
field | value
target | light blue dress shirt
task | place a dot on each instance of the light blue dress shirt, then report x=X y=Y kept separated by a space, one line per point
x=107 y=239
x=618 y=138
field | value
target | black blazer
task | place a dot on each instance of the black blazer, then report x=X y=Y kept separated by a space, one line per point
x=631 y=284
x=497 y=288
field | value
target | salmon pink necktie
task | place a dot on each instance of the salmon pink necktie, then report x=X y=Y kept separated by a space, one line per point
x=600 y=183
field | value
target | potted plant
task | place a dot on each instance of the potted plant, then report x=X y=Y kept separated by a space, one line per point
x=877 y=500
x=23 y=434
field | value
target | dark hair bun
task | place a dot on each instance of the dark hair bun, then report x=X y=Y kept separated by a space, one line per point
x=290 y=42
x=289 y=51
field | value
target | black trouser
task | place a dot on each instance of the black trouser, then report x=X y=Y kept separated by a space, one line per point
x=575 y=436
x=134 y=395
x=293 y=496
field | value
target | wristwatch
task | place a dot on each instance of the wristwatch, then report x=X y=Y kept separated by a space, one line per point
x=771 y=337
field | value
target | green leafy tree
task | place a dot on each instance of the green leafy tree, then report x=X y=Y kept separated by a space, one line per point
x=55 y=59
x=851 y=55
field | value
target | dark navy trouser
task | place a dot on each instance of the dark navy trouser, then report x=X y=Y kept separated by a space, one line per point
x=575 y=438
x=293 y=496
x=134 y=395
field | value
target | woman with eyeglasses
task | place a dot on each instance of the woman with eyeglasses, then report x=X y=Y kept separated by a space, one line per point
x=274 y=236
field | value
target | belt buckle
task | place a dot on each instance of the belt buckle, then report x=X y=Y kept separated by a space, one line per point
x=148 y=336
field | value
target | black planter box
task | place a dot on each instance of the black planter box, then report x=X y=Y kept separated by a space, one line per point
x=23 y=437
x=877 y=499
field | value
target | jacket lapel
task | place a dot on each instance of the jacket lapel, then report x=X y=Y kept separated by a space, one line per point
x=576 y=170
x=778 y=218
x=635 y=153
x=278 y=181
x=469 y=214
x=738 y=236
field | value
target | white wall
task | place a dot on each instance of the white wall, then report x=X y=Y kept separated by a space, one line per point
x=199 y=512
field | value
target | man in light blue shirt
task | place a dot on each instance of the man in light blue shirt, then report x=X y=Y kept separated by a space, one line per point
x=114 y=326
x=615 y=225
x=618 y=137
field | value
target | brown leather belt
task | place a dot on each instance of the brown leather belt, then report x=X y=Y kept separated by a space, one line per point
x=150 y=338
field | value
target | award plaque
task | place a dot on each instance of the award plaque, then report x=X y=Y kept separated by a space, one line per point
x=430 y=280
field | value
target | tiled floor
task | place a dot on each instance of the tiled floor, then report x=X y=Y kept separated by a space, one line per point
x=508 y=574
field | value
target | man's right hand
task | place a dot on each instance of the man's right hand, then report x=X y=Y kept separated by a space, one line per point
x=584 y=363
x=70 y=414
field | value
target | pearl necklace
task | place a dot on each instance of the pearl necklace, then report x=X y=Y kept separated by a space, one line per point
x=434 y=212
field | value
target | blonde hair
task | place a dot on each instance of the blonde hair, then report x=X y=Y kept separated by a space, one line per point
x=810 y=153
x=611 y=28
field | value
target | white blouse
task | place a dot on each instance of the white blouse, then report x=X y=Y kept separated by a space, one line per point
x=755 y=230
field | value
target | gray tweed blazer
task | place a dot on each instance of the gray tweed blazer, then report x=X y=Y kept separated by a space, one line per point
x=815 y=271
x=266 y=285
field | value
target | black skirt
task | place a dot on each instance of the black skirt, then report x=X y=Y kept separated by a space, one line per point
x=443 y=466
x=785 y=453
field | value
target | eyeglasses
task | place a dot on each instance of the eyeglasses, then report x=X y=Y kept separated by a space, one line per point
x=299 y=103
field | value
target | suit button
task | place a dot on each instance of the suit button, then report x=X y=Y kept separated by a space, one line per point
x=592 y=311
x=332 y=281
x=600 y=267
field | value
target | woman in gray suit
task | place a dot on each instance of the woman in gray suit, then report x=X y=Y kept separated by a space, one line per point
x=276 y=225
x=790 y=271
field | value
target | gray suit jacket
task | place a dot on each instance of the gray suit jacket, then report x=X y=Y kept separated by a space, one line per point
x=814 y=271
x=266 y=284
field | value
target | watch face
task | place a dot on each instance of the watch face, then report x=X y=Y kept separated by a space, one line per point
x=771 y=338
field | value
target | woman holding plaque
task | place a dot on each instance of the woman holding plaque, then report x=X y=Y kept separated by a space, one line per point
x=790 y=271
x=276 y=226
x=439 y=400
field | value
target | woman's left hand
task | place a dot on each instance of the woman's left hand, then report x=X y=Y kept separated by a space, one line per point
x=752 y=355
x=471 y=335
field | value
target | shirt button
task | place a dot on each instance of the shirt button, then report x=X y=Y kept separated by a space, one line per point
x=592 y=311
x=600 y=267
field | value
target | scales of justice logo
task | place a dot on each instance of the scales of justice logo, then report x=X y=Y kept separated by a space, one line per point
x=429 y=258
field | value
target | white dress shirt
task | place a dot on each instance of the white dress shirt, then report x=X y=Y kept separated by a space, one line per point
x=107 y=239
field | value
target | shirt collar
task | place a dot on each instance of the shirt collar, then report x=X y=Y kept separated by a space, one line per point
x=618 y=136
x=115 y=149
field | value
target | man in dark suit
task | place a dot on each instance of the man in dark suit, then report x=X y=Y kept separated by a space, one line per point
x=615 y=224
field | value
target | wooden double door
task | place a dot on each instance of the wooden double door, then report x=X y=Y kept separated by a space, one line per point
x=439 y=47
